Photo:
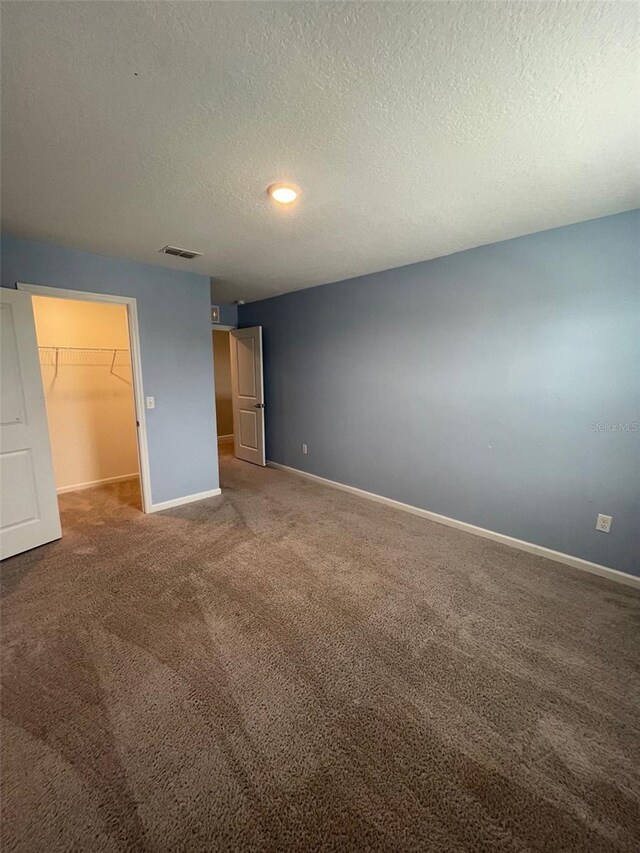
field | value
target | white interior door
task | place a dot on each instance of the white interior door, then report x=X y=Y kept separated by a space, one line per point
x=247 y=391
x=29 y=513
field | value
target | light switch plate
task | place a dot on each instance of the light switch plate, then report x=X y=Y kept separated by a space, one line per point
x=151 y=402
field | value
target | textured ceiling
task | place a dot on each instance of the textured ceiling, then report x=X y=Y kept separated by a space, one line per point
x=415 y=130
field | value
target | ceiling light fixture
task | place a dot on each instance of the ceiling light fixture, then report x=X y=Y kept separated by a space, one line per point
x=283 y=193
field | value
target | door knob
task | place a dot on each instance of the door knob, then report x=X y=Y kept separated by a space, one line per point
x=259 y=406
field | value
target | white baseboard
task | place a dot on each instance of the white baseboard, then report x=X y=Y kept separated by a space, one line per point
x=187 y=499
x=80 y=486
x=529 y=547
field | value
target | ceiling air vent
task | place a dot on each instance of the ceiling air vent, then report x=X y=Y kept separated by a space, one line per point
x=180 y=253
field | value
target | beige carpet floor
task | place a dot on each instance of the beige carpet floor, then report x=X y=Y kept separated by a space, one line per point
x=291 y=668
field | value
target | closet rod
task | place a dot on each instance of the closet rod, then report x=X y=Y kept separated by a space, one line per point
x=58 y=350
x=90 y=349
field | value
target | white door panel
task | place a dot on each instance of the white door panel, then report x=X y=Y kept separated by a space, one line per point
x=245 y=348
x=29 y=513
x=248 y=394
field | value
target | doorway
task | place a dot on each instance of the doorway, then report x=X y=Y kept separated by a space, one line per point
x=239 y=393
x=223 y=388
x=85 y=362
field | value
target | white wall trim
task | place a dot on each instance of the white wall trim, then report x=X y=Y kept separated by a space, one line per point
x=520 y=544
x=91 y=483
x=136 y=367
x=217 y=327
x=187 y=499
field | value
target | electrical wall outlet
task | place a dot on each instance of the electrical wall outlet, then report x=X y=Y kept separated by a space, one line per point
x=603 y=524
x=304 y=448
x=151 y=402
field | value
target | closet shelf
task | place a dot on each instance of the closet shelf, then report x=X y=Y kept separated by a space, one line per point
x=84 y=357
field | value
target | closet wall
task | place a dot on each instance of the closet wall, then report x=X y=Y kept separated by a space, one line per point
x=90 y=405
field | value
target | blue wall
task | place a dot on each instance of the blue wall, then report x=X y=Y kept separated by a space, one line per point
x=471 y=385
x=174 y=318
x=228 y=314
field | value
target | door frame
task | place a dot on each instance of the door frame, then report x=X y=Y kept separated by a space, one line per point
x=136 y=367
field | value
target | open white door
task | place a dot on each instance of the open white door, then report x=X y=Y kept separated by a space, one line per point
x=29 y=513
x=247 y=392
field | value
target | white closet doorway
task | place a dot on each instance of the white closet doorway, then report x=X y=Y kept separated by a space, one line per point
x=90 y=379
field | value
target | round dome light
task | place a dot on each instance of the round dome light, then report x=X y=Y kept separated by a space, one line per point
x=283 y=193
